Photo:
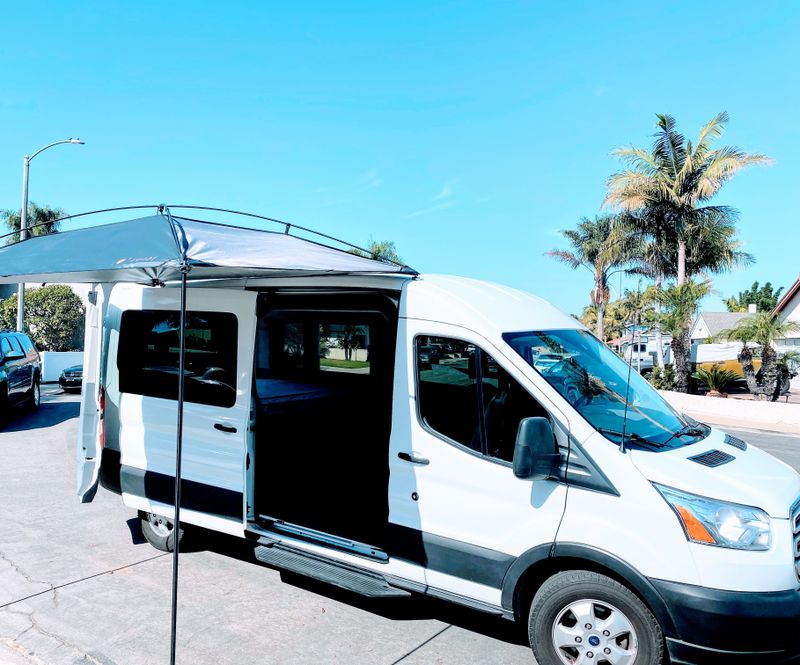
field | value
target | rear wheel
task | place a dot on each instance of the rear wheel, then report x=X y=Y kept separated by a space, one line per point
x=3 y=404
x=159 y=531
x=580 y=618
x=35 y=394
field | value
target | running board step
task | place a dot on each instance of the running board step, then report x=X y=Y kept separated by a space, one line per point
x=341 y=575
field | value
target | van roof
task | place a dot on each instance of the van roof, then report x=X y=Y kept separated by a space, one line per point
x=477 y=304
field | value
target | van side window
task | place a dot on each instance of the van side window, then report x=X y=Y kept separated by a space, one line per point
x=15 y=344
x=466 y=396
x=148 y=355
x=5 y=346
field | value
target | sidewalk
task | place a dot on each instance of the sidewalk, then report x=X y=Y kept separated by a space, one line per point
x=772 y=416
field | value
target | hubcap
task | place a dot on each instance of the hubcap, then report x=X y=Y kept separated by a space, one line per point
x=37 y=394
x=590 y=632
x=160 y=524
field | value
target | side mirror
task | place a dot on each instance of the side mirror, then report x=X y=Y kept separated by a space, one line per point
x=536 y=455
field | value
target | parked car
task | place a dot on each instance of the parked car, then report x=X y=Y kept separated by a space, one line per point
x=20 y=372
x=429 y=355
x=71 y=378
x=569 y=497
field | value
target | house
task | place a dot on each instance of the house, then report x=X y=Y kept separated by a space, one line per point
x=788 y=309
x=711 y=324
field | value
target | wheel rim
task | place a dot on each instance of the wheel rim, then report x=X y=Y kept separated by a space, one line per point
x=37 y=394
x=160 y=524
x=594 y=632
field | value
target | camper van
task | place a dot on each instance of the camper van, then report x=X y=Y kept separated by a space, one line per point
x=475 y=444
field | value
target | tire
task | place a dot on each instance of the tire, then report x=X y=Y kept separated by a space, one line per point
x=159 y=531
x=622 y=630
x=4 y=406
x=34 y=397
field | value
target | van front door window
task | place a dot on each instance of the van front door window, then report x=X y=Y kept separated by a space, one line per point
x=467 y=397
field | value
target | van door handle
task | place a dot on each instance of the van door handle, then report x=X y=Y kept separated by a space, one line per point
x=413 y=458
x=225 y=428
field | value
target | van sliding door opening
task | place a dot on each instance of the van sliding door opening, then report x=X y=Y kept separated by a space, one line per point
x=324 y=367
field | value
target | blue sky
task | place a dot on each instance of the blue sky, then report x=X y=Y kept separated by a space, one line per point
x=467 y=132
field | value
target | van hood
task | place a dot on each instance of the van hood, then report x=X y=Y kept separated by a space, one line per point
x=752 y=477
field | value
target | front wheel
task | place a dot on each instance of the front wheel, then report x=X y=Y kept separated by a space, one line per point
x=583 y=618
x=159 y=531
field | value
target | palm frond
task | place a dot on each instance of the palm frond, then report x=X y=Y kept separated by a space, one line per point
x=565 y=257
x=669 y=144
x=710 y=132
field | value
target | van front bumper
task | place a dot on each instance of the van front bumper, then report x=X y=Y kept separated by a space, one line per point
x=731 y=627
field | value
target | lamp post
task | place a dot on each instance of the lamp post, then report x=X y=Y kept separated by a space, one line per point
x=23 y=222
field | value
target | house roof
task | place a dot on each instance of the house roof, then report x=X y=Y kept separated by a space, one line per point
x=788 y=296
x=716 y=322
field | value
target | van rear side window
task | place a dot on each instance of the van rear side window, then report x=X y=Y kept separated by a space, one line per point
x=148 y=355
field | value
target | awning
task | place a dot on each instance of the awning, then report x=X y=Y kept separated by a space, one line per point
x=151 y=250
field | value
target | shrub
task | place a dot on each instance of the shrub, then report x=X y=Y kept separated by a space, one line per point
x=715 y=377
x=663 y=379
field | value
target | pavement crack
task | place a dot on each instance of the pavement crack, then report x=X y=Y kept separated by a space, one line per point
x=55 y=588
x=23 y=574
x=422 y=644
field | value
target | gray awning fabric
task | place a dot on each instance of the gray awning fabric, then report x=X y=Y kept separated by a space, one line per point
x=151 y=250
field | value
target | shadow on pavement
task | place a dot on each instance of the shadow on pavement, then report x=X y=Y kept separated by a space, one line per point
x=417 y=607
x=47 y=415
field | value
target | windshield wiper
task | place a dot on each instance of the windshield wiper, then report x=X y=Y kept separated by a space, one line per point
x=689 y=429
x=630 y=436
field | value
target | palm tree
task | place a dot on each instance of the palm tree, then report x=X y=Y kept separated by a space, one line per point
x=42 y=220
x=599 y=245
x=680 y=304
x=763 y=329
x=667 y=186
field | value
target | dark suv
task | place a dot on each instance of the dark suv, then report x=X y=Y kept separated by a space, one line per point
x=20 y=372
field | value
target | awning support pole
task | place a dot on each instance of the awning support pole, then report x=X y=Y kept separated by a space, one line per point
x=178 y=450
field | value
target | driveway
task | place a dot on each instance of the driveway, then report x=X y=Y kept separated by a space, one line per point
x=79 y=586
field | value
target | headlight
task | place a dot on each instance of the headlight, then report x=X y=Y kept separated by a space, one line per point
x=719 y=523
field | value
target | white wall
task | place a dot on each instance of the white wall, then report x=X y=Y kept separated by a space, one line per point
x=699 y=329
x=53 y=362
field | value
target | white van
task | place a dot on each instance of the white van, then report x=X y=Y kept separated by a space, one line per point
x=477 y=447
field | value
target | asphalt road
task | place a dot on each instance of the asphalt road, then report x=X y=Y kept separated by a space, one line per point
x=79 y=586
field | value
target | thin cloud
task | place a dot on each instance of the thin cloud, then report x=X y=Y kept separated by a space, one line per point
x=446 y=191
x=435 y=208
x=370 y=179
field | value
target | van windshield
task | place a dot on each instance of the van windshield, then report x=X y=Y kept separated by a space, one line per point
x=595 y=381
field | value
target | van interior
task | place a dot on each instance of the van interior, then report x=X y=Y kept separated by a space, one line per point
x=324 y=370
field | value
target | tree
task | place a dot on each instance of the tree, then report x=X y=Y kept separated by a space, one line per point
x=680 y=304
x=711 y=247
x=383 y=250
x=349 y=340
x=763 y=297
x=54 y=317
x=42 y=220
x=663 y=191
x=599 y=245
x=762 y=329
x=668 y=185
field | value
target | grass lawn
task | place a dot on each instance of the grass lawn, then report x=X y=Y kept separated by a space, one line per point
x=346 y=364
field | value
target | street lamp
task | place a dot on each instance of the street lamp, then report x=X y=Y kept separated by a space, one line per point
x=23 y=221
